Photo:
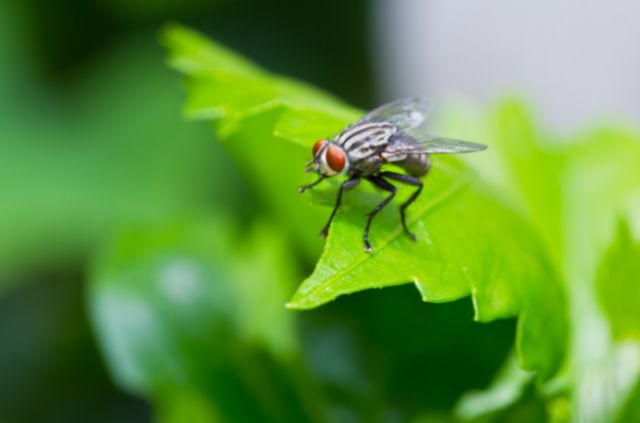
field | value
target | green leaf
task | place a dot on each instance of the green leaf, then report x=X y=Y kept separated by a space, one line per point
x=525 y=164
x=575 y=191
x=618 y=287
x=280 y=119
x=223 y=84
x=619 y=371
x=601 y=182
x=463 y=248
x=470 y=242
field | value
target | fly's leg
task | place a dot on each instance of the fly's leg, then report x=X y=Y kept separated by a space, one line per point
x=349 y=183
x=385 y=185
x=306 y=187
x=410 y=180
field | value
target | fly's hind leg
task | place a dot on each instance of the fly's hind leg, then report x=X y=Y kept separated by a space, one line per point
x=410 y=180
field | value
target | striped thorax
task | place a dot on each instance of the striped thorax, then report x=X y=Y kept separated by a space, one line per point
x=364 y=139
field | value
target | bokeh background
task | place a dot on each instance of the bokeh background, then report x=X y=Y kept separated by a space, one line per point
x=92 y=141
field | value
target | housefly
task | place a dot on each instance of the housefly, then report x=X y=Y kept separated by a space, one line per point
x=393 y=133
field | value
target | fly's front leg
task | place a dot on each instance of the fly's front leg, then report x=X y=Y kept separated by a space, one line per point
x=306 y=187
x=385 y=185
x=350 y=183
x=411 y=180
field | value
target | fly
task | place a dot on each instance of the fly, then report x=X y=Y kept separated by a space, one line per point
x=390 y=134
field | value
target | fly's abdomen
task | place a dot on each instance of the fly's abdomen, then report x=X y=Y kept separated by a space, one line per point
x=415 y=164
x=405 y=152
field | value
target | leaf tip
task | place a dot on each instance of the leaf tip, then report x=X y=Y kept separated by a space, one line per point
x=295 y=305
x=474 y=302
x=419 y=287
x=301 y=301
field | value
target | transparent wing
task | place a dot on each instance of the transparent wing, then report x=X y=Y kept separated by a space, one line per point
x=409 y=115
x=431 y=144
x=450 y=146
x=404 y=114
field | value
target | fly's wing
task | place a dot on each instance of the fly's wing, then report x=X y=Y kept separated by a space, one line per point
x=404 y=114
x=440 y=145
x=419 y=142
x=409 y=116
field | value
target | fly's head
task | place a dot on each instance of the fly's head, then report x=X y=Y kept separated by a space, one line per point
x=329 y=159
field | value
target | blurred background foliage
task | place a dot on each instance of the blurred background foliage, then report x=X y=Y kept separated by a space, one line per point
x=93 y=142
x=102 y=180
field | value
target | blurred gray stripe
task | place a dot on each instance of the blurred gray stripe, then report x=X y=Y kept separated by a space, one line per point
x=575 y=59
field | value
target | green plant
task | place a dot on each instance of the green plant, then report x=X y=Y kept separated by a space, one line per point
x=191 y=314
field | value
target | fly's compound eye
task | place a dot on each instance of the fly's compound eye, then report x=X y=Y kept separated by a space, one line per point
x=335 y=158
x=317 y=146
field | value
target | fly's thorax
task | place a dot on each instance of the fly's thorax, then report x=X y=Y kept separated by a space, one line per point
x=331 y=160
x=365 y=139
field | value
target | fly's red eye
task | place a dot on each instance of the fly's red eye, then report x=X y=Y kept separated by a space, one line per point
x=317 y=146
x=335 y=158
